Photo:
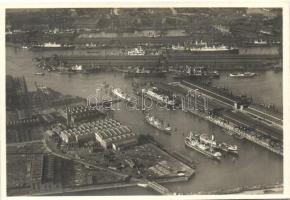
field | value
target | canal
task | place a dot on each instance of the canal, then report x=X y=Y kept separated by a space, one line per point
x=246 y=170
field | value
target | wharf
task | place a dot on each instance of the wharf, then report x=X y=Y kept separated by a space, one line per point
x=231 y=119
x=171 y=59
x=230 y=102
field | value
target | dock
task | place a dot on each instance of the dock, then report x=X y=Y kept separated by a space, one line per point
x=230 y=102
x=171 y=59
x=236 y=121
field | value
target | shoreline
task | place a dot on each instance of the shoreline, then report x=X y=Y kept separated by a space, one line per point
x=262 y=189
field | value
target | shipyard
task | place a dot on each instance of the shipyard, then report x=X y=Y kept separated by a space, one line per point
x=144 y=101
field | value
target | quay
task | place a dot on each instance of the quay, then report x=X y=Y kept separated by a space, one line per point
x=171 y=59
x=228 y=101
x=231 y=119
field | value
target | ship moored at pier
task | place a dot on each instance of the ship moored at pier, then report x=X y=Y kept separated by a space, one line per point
x=243 y=75
x=194 y=142
x=156 y=95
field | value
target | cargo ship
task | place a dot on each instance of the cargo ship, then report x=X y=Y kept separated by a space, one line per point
x=143 y=73
x=194 y=142
x=243 y=75
x=157 y=123
x=204 y=48
x=224 y=147
x=118 y=92
x=136 y=52
x=157 y=96
x=53 y=46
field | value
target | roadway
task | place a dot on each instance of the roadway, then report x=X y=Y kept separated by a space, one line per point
x=23 y=143
x=157 y=187
x=81 y=161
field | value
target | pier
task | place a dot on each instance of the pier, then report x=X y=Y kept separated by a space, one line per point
x=230 y=102
x=171 y=59
x=237 y=121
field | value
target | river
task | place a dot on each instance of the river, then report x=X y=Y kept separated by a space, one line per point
x=254 y=166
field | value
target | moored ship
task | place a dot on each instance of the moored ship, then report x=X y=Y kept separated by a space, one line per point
x=194 y=142
x=136 y=52
x=224 y=147
x=157 y=123
x=143 y=73
x=118 y=92
x=52 y=45
x=204 y=48
x=228 y=148
x=155 y=95
x=242 y=75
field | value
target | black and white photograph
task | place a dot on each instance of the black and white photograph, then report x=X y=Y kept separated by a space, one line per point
x=122 y=101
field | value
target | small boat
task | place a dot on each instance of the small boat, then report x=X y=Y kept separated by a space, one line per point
x=39 y=73
x=215 y=74
x=228 y=148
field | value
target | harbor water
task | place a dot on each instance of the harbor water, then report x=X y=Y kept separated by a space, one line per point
x=246 y=170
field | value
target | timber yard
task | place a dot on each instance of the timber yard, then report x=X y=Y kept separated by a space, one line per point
x=136 y=101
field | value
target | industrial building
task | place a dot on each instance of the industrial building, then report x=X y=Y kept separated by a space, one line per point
x=79 y=113
x=108 y=132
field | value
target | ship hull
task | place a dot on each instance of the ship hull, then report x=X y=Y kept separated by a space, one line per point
x=50 y=48
x=153 y=74
x=120 y=96
x=231 y=51
x=242 y=75
x=206 y=153
x=159 y=128
x=170 y=105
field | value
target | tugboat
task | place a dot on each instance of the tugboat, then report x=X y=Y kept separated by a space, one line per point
x=228 y=148
x=157 y=123
x=195 y=142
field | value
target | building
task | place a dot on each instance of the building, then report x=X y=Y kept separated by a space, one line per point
x=108 y=132
x=17 y=95
x=36 y=168
x=80 y=113
x=111 y=134
x=78 y=135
